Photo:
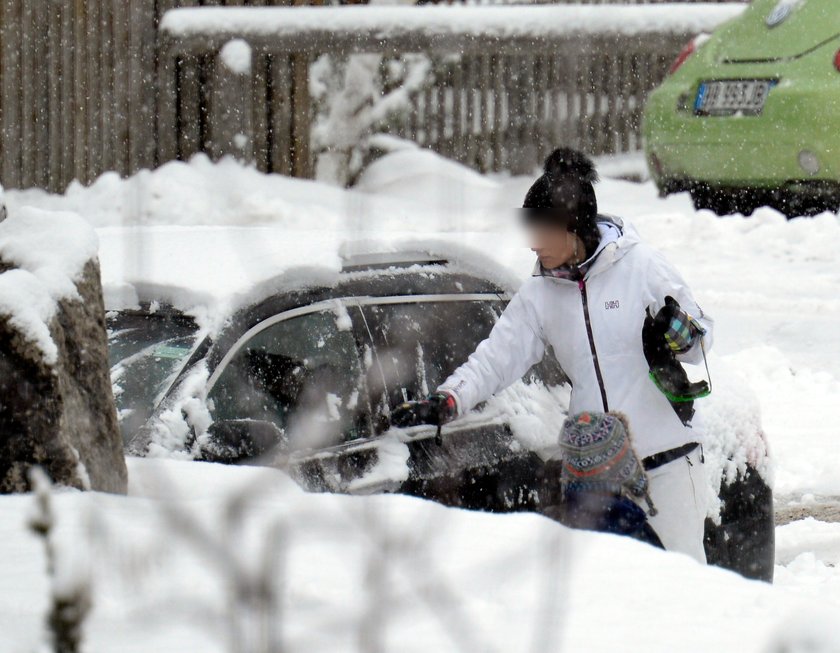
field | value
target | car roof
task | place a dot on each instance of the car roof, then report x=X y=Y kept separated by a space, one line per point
x=376 y=276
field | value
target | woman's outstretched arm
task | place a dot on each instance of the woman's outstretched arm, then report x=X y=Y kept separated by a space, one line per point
x=515 y=344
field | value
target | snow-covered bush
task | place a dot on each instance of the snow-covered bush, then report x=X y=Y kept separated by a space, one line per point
x=355 y=98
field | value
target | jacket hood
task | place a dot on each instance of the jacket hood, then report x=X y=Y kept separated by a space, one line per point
x=617 y=237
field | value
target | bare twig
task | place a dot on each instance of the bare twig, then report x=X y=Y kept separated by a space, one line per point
x=70 y=589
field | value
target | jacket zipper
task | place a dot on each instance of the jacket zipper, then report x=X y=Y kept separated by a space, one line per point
x=582 y=286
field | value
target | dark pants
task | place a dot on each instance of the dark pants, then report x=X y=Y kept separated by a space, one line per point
x=608 y=514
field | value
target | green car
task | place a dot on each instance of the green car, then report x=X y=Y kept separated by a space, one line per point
x=751 y=115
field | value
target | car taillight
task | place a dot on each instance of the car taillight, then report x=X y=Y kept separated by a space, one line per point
x=684 y=54
x=837 y=60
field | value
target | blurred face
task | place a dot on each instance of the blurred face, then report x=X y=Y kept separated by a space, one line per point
x=554 y=245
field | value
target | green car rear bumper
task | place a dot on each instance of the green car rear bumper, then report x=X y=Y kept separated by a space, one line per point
x=800 y=122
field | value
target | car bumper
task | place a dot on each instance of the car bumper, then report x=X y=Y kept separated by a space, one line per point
x=794 y=143
x=742 y=164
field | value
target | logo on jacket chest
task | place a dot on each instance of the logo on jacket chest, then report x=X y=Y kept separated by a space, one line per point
x=610 y=304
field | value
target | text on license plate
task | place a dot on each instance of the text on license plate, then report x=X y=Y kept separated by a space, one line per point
x=724 y=97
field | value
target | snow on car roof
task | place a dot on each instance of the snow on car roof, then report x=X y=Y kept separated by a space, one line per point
x=197 y=234
x=211 y=271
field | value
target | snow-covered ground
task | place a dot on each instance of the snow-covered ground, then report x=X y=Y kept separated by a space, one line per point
x=204 y=234
x=391 y=573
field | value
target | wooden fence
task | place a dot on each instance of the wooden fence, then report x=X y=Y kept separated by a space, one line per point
x=76 y=90
x=78 y=87
x=506 y=110
x=492 y=112
x=502 y=92
x=88 y=86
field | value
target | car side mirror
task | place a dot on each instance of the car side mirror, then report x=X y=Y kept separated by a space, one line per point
x=240 y=441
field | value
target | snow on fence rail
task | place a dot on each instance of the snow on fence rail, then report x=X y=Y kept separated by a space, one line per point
x=362 y=28
x=507 y=82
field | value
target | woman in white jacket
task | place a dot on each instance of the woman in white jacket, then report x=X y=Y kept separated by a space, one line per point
x=595 y=288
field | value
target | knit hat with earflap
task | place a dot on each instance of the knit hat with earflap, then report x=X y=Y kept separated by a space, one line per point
x=598 y=458
x=564 y=194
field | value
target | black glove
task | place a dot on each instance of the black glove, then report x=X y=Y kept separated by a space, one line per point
x=436 y=409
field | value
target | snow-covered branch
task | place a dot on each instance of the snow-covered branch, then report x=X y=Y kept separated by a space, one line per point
x=70 y=591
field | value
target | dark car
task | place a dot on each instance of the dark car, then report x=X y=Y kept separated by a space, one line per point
x=305 y=378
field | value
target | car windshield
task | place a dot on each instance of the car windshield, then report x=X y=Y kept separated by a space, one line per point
x=145 y=351
x=419 y=344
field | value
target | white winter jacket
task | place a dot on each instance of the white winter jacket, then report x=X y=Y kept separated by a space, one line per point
x=605 y=362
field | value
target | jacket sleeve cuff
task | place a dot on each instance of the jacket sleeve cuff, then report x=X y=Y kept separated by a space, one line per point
x=458 y=405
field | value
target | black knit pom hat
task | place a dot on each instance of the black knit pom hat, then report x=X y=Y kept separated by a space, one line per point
x=564 y=194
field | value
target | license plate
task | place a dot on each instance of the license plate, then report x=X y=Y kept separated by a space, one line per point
x=726 y=97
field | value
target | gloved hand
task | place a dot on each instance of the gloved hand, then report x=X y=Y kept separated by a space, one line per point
x=436 y=409
x=676 y=327
x=670 y=332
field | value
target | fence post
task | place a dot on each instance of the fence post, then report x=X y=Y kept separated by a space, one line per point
x=280 y=111
x=67 y=93
x=167 y=112
x=27 y=95
x=231 y=114
x=56 y=109
x=141 y=75
x=10 y=88
x=302 y=164
x=81 y=149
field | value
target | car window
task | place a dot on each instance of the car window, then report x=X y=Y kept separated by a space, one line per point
x=304 y=375
x=419 y=344
x=139 y=380
x=145 y=352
